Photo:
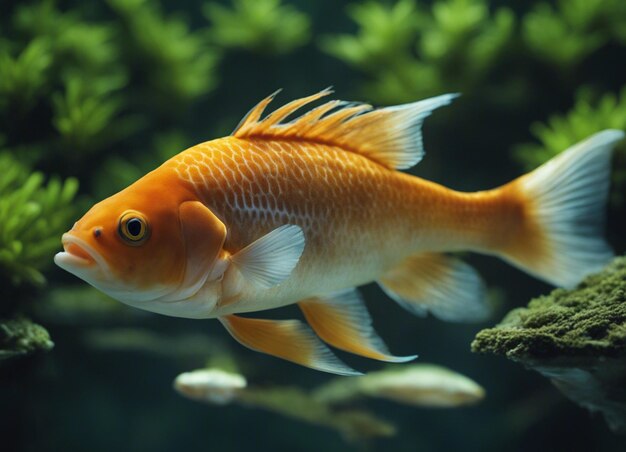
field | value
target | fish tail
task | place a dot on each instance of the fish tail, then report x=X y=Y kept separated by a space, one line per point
x=557 y=232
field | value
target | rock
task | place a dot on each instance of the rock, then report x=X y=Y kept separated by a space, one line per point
x=577 y=338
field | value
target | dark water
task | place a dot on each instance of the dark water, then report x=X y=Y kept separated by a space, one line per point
x=82 y=396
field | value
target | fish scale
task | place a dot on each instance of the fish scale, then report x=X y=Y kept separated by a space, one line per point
x=320 y=188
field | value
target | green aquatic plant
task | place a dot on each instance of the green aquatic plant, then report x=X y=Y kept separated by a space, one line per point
x=69 y=69
x=383 y=48
x=563 y=130
x=95 y=83
x=588 y=116
x=177 y=64
x=263 y=26
x=74 y=43
x=86 y=114
x=20 y=336
x=463 y=33
x=385 y=36
x=33 y=214
x=575 y=337
x=23 y=76
x=565 y=34
x=409 y=53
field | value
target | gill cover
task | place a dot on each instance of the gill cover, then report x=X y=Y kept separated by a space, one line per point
x=203 y=236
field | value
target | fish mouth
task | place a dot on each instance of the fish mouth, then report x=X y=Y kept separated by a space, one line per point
x=77 y=254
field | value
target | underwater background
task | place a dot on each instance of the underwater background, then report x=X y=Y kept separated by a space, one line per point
x=94 y=94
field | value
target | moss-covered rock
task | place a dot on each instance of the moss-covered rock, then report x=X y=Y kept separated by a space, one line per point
x=577 y=338
x=20 y=336
x=587 y=321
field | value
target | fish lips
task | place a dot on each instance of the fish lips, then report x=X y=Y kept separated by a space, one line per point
x=78 y=256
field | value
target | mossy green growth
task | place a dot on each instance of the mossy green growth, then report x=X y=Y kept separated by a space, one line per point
x=262 y=26
x=20 y=336
x=588 y=321
x=33 y=215
x=576 y=338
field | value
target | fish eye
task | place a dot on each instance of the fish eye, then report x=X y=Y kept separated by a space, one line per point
x=133 y=228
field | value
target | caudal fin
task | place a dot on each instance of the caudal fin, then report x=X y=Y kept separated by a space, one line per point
x=563 y=203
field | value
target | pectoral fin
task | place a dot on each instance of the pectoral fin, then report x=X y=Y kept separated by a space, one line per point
x=342 y=321
x=286 y=339
x=270 y=260
x=447 y=287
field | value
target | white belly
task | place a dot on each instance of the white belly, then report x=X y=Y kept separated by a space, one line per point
x=310 y=279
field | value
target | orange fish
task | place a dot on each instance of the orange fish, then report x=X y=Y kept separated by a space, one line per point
x=304 y=210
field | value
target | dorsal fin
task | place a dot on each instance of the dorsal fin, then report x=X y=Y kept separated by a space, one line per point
x=391 y=136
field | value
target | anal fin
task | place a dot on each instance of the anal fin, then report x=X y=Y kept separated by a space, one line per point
x=342 y=321
x=445 y=286
x=291 y=340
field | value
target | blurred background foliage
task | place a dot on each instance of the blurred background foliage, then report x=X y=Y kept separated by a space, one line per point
x=32 y=215
x=412 y=52
x=94 y=94
x=252 y=25
x=563 y=35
